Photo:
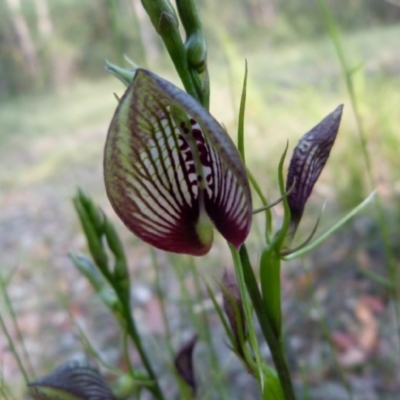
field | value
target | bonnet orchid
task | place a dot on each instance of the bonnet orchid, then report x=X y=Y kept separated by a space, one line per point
x=172 y=172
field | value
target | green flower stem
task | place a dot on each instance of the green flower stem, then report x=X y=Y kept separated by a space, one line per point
x=282 y=233
x=120 y=272
x=252 y=339
x=329 y=232
x=161 y=295
x=166 y=23
x=13 y=349
x=134 y=334
x=240 y=140
x=270 y=279
x=97 y=227
x=122 y=290
x=3 y=285
x=274 y=344
x=195 y=47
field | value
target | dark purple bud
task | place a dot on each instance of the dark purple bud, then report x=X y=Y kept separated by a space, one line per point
x=73 y=381
x=233 y=307
x=308 y=160
x=184 y=363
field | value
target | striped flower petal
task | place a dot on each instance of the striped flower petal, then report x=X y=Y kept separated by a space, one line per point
x=309 y=158
x=172 y=172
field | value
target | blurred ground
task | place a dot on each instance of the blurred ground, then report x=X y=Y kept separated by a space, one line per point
x=52 y=144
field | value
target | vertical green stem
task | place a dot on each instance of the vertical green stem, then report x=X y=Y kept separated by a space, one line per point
x=270 y=279
x=275 y=344
x=16 y=327
x=161 y=297
x=216 y=368
x=133 y=333
x=13 y=349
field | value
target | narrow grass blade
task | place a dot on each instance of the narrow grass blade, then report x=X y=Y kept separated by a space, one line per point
x=329 y=232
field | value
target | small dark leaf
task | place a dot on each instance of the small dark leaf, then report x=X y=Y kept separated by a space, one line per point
x=308 y=160
x=184 y=362
x=233 y=306
x=71 y=381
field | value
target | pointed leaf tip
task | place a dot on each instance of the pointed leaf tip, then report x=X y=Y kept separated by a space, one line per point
x=309 y=158
x=172 y=172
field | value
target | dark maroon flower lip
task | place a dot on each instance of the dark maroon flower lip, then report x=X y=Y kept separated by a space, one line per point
x=309 y=158
x=171 y=171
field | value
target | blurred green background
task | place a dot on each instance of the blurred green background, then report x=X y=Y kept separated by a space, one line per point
x=56 y=101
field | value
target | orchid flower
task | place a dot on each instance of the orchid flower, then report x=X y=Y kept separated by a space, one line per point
x=171 y=171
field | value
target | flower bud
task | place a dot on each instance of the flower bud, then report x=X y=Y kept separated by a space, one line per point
x=71 y=381
x=184 y=363
x=159 y=9
x=308 y=160
x=124 y=386
x=123 y=74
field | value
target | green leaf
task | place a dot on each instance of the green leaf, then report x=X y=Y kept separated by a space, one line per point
x=241 y=115
x=330 y=231
x=272 y=388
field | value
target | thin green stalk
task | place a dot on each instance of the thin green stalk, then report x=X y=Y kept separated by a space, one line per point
x=338 y=367
x=270 y=279
x=240 y=142
x=264 y=201
x=133 y=333
x=330 y=231
x=20 y=337
x=239 y=269
x=306 y=387
x=165 y=21
x=206 y=329
x=328 y=336
x=126 y=354
x=199 y=326
x=14 y=350
x=6 y=392
x=115 y=29
x=383 y=223
x=275 y=345
x=161 y=296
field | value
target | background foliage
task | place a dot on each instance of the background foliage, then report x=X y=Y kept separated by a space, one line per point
x=45 y=45
x=56 y=103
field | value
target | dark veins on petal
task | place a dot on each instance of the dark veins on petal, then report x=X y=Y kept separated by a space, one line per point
x=308 y=160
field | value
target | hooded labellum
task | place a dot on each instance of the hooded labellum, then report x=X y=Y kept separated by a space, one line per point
x=172 y=172
x=308 y=160
x=71 y=381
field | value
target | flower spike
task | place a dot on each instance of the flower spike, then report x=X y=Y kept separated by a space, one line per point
x=172 y=172
x=308 y=160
